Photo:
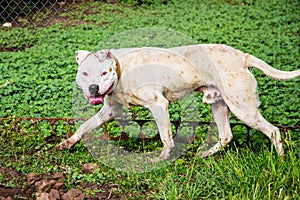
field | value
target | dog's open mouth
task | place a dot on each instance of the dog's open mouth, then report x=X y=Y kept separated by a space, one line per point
x=98 y=99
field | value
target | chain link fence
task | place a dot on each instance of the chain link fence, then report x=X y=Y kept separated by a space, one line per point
x=37 y=13
x=23 y=13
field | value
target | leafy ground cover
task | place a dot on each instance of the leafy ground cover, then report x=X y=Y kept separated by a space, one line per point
x=38 y=81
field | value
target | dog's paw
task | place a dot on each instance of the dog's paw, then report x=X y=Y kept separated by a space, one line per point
x=159 y=159
x=155 y=160
x=66 y=144
x=205 y=154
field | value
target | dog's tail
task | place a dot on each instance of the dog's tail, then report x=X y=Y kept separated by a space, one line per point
x=270 y=71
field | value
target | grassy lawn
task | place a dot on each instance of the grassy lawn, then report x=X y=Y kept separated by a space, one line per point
x=38 y=80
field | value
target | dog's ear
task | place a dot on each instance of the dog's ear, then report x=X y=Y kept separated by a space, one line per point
x=81 y=56
x=103 y=54
x=109 y=54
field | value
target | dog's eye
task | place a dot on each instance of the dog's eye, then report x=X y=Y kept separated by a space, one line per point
x=103 y=73
x=84 y=73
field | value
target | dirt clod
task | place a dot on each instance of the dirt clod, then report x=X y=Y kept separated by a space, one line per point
x=45 y=185
x=52 y=187
x=54 y=195
x=7 y=198
x=73 y=194
x=59 y=176
x=89 y=168
x=58 y=185
x=42 y=196
x=32 y=178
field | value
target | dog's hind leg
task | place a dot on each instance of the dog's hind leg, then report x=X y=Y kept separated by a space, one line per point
x=248 y=112
x=110 y=110
x=221 y=116
x=257 y=121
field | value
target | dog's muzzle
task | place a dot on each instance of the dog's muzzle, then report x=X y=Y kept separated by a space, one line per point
x=93 y=89
x=95 y=97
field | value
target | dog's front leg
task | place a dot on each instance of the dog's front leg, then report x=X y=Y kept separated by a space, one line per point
x=110 y=110
x=159 y=109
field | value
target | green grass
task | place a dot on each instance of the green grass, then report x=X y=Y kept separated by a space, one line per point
x=266 y=29
x=42 y=84
x=235 y=173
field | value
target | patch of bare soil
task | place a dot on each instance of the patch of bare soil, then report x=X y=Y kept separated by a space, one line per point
x=50 y=187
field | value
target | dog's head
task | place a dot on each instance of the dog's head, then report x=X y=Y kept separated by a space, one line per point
x=97 y=74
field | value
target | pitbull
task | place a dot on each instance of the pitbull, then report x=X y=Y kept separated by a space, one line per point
x=155 y=77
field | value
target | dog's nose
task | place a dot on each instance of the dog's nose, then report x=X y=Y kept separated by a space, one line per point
x=94 y=88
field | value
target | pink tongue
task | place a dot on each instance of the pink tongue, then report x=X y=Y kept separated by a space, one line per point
x=96 y=101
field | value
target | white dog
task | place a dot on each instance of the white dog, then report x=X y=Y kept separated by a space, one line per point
x=154 y=77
